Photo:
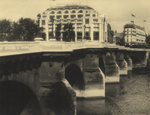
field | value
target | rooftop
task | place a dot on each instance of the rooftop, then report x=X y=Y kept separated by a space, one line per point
x=134 y=26
x=69 y=7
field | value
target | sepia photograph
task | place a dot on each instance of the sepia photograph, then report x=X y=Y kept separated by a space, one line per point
x=74 y=57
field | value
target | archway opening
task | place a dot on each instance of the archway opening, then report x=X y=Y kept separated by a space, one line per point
x=135 y=60
x=17 y=99
x=102 y=65
x=75 y=77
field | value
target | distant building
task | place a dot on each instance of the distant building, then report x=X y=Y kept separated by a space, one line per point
x=118 y=38
x=88 y=23
x=134 y=34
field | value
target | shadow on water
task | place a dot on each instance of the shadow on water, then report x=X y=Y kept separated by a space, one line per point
x=97 y=106
x=59 y=99
x=142 y=70
x=14 y=98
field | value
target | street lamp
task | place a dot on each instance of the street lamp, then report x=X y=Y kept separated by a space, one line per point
x=84 y=32
x=52 y=20
x=38 y=17
x=61 y=29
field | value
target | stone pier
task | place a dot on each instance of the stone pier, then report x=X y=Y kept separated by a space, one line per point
x=94 y=78
x=122 y=64
x=129 y=62
x=112 y=70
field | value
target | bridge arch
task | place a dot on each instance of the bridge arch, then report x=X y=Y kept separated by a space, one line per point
x=75 y=77
x=135 y=60
x=17 y=99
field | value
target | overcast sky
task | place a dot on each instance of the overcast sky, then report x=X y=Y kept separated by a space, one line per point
x=118 y=12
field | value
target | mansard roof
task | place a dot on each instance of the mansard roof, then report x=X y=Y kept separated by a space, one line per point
x=134 y=26
x=70 y=7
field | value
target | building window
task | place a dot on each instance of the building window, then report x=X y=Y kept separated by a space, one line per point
x=73 y=16
x=87 y=35
x=66 y=12
x=93 y=15
x=80 y=16
x=59 y=16
x=80 y=11
x=44 y=16
x=43 y=22
x=59 y=12
x=66 y=16
x=86 y=11
x=87 y=15
x=79 y=35
x=95 y=20
x=96 y=35
x=86 y=21
x=52 y=12
x=73 y=11
x=51 y=17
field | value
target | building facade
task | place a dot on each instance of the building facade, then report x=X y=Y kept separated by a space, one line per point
x=87 y=23
x=134 y=35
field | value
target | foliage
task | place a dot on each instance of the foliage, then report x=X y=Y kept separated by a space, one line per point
x=148 y=40
x=5 y=28
x=110 y=33
x=22 y=30
x=57 y=32
x=68 y=33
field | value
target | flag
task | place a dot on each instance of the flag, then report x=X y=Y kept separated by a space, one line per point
x=132 y=15
x=132 y=21
x=144 y=20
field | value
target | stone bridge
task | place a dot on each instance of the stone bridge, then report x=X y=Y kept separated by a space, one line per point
x=52 y=74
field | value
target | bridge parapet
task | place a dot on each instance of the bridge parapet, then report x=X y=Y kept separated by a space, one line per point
x=13 y=48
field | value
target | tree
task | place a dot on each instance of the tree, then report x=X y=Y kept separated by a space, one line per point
x=110 y=33
x=68 y=33
x=148 y=40
x=5 y=28
x=25 y=30
x=57 y=32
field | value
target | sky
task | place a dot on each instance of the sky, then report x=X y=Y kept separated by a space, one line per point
x=117 y=12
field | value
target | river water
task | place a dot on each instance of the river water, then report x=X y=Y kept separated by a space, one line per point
x=129 y=97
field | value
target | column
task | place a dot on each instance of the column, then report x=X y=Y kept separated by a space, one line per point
x=75 y=30
x=83 y=28
x=47 y=32
x=61 y=30
x=91 y=29
x=54 y=27
x=106 y=32
x=100 y=32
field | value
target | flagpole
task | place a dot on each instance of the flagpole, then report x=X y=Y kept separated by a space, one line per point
x=132 y=18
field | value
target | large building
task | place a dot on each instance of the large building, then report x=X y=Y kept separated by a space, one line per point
x=87 y=23
x=134 y=35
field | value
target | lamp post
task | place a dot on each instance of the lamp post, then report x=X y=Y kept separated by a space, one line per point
x=75 y=30
x=61 y=29
x=84 y=32
x=38 y=17
x=52 y=20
